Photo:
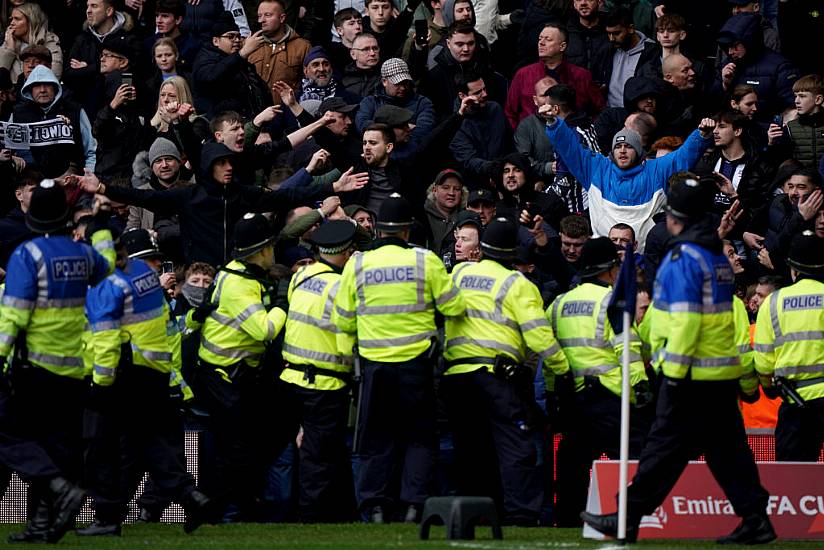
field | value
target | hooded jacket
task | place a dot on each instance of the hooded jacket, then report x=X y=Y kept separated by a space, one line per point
x=84 y=82
x=483 y=137
x=209 y=210
x=611 y=120
x=770 y=74
x=630 y=196
x=54 y=159
x=633 y=59
x=549 y=205
x=588 y=48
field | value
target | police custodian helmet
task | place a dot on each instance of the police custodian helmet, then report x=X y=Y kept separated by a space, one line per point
x=48 y=211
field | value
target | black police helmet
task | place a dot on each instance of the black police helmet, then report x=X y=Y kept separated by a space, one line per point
x=252 y=234
x=48 y=210
x=500 y=239
x=806 y=254
x=691 y=198
x=597 y=255
x=394 y=214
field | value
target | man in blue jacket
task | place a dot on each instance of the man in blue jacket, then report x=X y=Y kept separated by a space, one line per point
x=624 y=187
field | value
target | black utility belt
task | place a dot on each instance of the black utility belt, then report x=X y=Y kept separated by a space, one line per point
x=311 y=371
x=489 y=361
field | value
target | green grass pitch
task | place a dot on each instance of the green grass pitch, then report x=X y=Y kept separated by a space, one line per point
x=360 y=536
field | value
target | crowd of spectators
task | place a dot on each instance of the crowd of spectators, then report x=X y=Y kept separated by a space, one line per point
x=192 y=113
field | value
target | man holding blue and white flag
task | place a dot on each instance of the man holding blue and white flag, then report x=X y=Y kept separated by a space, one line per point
x=593 y=344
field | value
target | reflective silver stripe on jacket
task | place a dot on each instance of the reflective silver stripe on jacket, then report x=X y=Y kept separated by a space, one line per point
x=235 y=322
x=55 y=360
x=236 y=354
x=313 y=355
x=100 y=370
x=17 y=303
x=596 y=370
x=153 y=355
x=689 y=361
x=397 y=341
x=491 y=344
x=799 y=369
x=134 y=318
x=312 y=321
x=105 y=325
x=420 y=291
x=490 y=316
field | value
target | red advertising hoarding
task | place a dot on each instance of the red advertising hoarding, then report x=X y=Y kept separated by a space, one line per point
x=696 y=508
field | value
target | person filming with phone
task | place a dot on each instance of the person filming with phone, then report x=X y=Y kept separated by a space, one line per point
x=119 y=126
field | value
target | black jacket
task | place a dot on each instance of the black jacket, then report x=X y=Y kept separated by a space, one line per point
x=227 y=82
x=86 y=83
x=588 y=48
x=209 y=210
x=13 y=231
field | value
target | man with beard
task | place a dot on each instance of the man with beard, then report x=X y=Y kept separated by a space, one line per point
x=771 y=232
x=630 y=51
x=319 y=82
x=588 y=46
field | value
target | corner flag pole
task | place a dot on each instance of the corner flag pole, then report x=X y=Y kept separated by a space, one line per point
x=623 y=302
x=624 y=456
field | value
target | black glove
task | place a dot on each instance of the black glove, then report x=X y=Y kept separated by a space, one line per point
x=749 y=398
x=203 y=311
x=280 y=295
x=517 y=16
x=643 y=394
x=772 y=392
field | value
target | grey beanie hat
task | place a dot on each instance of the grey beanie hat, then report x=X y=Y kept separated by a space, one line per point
x=631 y=138
x=162 y=147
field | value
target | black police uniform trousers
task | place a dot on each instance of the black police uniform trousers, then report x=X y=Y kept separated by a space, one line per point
x=694 y=417
x=591 y=427
x=398 y=441
x=494 y=451
x=247 y=436
x=41 y=423
x=136 y=428
x=799 y=433
x=327 y=490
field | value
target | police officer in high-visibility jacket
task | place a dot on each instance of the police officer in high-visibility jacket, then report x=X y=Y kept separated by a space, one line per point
x=388 y=297
x=135 y=423
x=42 y=317
x=789 y=334
x=318 y=378
x=594 y=351
x=229 y=373
x=694 y=347
x=485 y=354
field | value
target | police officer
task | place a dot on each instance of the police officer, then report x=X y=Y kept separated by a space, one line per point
x=388 y=297
x=229 y=375
x=42 y=317
x=485 y=355
x=135 y=422
x=318 y=378
x=788 y=335
x=592 y=425
x=693 y=344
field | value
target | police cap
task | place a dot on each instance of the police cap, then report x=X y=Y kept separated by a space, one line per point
x=252 y=234
x=392 y=115
x=500 y=239
x=334 y=236
x=48 y=210
x=394 y=214
x=806 y=254
x=480 y=195
x=597 y=255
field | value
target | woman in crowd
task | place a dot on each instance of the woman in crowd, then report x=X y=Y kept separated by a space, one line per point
x=29 y=26
x=165 y=56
